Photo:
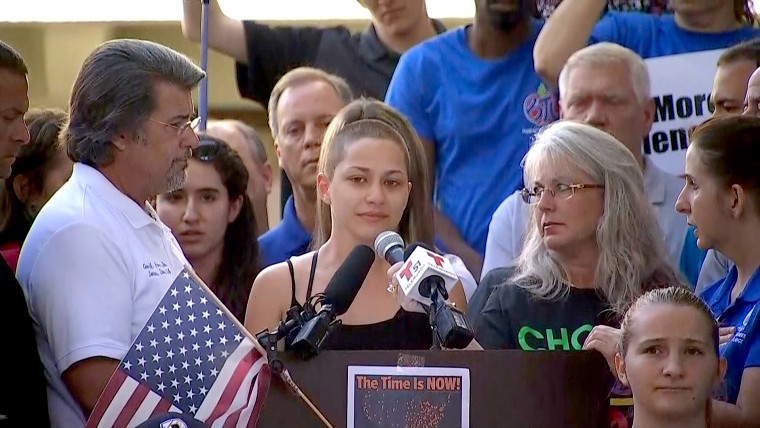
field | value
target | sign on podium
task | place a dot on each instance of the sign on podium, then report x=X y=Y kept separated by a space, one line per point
x=445 y=389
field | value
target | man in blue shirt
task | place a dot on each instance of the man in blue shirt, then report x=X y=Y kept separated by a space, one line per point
x=693 y=27
x=303 y=103
x=473 y=97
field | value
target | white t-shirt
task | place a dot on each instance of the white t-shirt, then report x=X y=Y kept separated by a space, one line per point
x=93 y=268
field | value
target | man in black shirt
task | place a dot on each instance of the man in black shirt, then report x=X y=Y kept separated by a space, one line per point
x=365 y=60
x=22 y=402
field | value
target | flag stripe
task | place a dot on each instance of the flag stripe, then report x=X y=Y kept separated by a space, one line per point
x=131 y=406
x=232 y=386
x=112 y=410
x=145 y=410
x=241 y=398
x=207 y=409
x=164 y=406
x=251 y=413
x=263 y=381
x=113 y=386
x=235 y=419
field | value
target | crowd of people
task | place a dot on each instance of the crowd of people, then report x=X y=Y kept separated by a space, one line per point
x=512 y=146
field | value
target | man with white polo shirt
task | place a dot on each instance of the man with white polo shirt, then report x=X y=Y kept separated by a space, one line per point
x=606 y=86
x=97 y=261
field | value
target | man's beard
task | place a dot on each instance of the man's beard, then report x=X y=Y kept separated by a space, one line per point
x=175 y=179
x=505 y=21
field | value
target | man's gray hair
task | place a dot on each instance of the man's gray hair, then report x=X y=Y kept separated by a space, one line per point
x=606 y=53
x=114 y=92
x=301 y=75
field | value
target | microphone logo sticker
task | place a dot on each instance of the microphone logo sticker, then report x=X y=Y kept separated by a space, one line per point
x=436 y=258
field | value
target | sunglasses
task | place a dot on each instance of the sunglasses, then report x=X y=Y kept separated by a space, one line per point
x=207 y=150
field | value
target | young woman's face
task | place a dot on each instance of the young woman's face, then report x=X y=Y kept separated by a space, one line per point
x=671 y=363
x=199 y=213
x=369 y=189
x=704 y=202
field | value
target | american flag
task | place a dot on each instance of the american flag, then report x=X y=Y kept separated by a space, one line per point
x=189 y=358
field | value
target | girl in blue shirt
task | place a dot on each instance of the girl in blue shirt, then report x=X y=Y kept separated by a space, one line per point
x=721 y=199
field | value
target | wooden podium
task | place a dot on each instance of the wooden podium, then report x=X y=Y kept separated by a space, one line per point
x=508 y=388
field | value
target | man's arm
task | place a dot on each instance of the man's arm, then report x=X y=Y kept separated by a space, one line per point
x=566 y=31
x=87 y=379
x=225 y=34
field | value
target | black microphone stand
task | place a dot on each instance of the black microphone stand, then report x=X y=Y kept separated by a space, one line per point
x=269 y=339
x=432 y=311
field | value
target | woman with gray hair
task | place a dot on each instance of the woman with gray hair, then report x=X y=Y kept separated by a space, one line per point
x=592 y=246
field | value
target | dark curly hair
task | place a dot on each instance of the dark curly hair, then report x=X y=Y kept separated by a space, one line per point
x=240 y=263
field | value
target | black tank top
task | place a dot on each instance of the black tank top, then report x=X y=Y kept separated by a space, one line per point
x=405 y=331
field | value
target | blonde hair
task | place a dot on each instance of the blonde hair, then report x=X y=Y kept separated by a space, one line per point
x=374 y=119
x=628 y=236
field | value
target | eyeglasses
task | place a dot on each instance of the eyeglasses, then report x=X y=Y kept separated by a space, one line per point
x=560 y=190
x=190 y=124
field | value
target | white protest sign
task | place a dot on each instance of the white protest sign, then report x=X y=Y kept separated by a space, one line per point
x=681 y=86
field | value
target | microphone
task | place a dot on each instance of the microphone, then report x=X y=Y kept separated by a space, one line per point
x=390 y=246
x=427 y=279
x=337 y=298
x=420 y=264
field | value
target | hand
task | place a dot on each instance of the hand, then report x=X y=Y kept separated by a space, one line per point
x=725 y=334
x=392 y=282
x=605 y=340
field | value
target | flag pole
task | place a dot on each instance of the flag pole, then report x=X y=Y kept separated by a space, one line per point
x=203 y=89
x=284 y=374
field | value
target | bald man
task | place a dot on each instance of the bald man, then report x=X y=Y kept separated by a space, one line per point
x=752 y=99
x=246 y=142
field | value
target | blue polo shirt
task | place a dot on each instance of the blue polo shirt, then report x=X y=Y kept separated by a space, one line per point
x=743 y=351
x=287 y=239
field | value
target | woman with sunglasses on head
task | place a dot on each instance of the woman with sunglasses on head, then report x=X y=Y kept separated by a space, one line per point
x=721 y=199
x=372 y=178
x=213 y=220
x=668 y=355
x=40 y=169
